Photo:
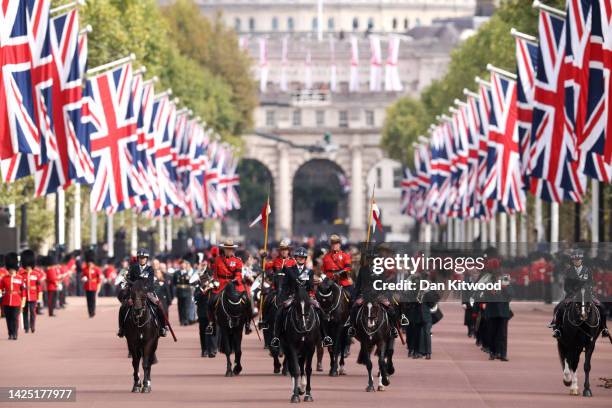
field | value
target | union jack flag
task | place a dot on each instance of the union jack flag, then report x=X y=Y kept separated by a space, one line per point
x=553 y=147
x=230 y=182
x=18 y=126
x=473 y=129
x=503 y=133
x=596 y=148
x=111 y=124
x=146 y=148
x=74 y=161
x=408 y=199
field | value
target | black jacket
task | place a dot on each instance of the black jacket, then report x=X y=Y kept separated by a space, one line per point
x=136 y=272
x=575 y=281
x=292 y=280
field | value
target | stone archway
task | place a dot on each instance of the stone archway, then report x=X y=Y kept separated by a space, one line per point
x=320 y=198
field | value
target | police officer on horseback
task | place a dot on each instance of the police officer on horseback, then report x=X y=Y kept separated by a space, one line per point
x=577 y=277
x=140 y=270
x=295 y=276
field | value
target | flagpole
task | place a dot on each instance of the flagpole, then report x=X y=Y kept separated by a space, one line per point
x=595 y=210
x=370 y=217
x=110 y=65
x=267 y=220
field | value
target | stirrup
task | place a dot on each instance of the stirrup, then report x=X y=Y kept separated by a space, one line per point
x=120 y=333
x=327 y=341
x=551 y=325
x=209 y=329
x=556 y=333
x=404 y=320
x=163 y=332
x=351 y=331
x=605 y=332
x=394 y=332
x=275 y=342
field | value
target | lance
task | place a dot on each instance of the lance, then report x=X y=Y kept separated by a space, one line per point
x=263 y=259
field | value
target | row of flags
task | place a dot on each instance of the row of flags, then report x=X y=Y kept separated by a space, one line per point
x=137 y=149
x=389 y=80
x=542 y=130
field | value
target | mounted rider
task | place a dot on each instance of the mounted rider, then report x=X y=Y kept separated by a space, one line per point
x=140 y=270
x=297 y=275
x=337 y=265
x=577 y=277
x=228 y=268
x=365 y=285
x=274 y=271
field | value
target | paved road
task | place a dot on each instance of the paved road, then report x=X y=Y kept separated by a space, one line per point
x=73 y=350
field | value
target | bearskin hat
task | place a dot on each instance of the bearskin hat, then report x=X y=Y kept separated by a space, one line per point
x=28 y=258
x=11 y=261
x=90 y=256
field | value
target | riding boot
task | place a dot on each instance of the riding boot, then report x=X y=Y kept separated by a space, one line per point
x=248 y=314
x=353 y=320
x=392 y=321
x=327 y=341
x=161 y=321
x=122 y=311
x=278 y=321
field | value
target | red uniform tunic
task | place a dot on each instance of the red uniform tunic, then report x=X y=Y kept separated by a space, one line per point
x=92 y=277
x=13 y=289
x=33 y=283
x=336 y=262
x=52 y=278
x=227 y=269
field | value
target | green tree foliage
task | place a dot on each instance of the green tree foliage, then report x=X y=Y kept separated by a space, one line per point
x=214 y=46
x=492 y=43
x=403 y=125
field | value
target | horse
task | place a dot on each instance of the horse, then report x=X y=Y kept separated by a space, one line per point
x=142 y=334
x=335 y=306
x=372 y=329
x=581 y=325
x=270 y=307
x=230 y=310
x=300 y=334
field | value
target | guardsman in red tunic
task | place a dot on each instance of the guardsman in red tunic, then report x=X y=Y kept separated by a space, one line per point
x=3 y=272
x=92 y=279
x=337 y=265
x=52 y=284
x=228 y=268
x=13 y=291
x=32 y=281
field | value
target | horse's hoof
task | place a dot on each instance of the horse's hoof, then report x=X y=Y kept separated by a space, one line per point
x=277 y=370
x=380 y=388
x=587 y=393
x=341 y=371
x=295 y=398
x=136 y=388
x=333 y=373
x=229 y=373
x=237 y=370
x=308 y=398
x=146 y=389
x=385 y=381
x=574 y=392
x=370 y=388
x=567 y=383
x=390 y=369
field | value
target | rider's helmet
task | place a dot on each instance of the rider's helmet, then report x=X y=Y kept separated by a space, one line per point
x=334 y=238
x=142 y=253
x=301 y=252
x=284 y=244
x=577 y=254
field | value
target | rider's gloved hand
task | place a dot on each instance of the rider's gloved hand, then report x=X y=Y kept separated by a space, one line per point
x=130 y=302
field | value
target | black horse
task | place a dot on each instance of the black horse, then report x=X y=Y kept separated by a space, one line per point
x=231 y=313
x=334 y=303
x=372 y=329
x=270 y=307
x=582 y=324
x=299 y=336
x=142 y=334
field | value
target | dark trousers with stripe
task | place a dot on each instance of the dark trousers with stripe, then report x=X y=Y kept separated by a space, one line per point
x=29 y=316
x=11 y=313
x=91 y=302
x=51 y=296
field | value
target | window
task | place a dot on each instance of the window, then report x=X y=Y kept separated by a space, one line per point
x=270 y=118
x=274 y=24
x=290 y=24
x=355 y=23
x=370 y=23
x=315 y=24
x=251 y=24
x=297 y=117
x=369 y=117
x=398 y=176
x=379 y=177
x=394 y=24
x=320 y=118
x=237 y=24
x=330 y=24
x=343 y=119
x=406 y=24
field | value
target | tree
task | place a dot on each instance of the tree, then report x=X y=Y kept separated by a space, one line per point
x=403 y=125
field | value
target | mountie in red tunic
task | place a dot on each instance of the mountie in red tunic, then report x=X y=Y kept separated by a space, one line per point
x=13 y=289
x=33 y=282
x=227 y=269
x=336 y=261
x=92 y=275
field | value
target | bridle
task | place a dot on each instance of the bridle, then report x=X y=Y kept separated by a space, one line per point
x=227 y=313
x=138 y=312
x=370 y=334
x=331 y=292
x=303 y=315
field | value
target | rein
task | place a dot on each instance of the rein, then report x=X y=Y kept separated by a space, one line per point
x=230 y=316
x=337 y=303
x=306 y=329
x=370 y=334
